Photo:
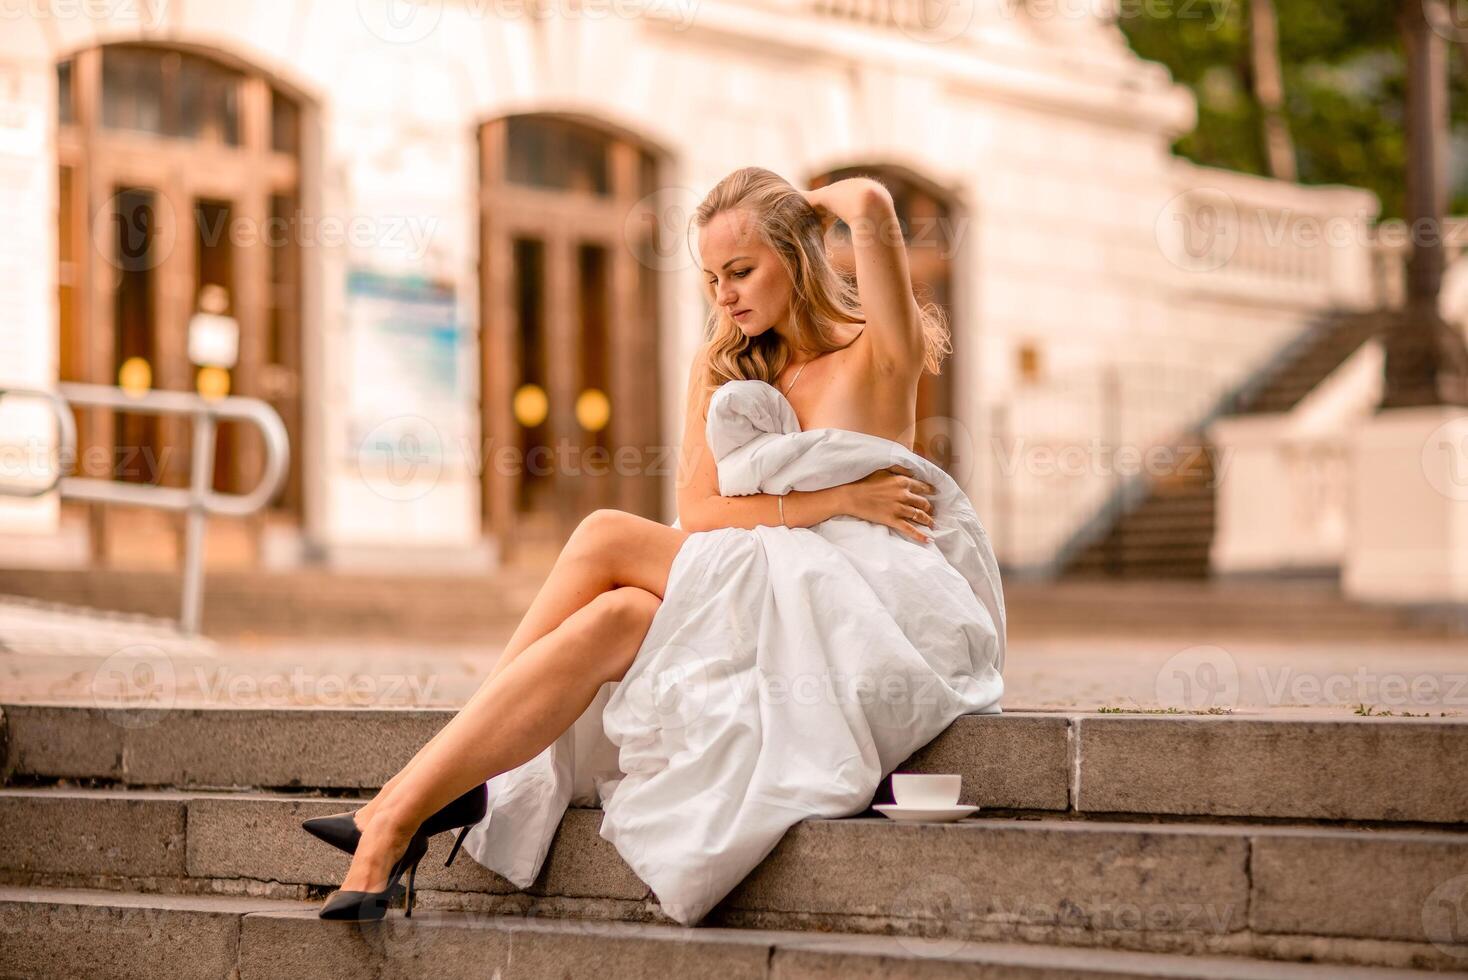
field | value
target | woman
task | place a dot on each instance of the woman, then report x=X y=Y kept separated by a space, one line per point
x=781 y=315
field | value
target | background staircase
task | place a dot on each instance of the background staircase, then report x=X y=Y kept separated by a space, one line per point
x=1169 y=533
x=166 y=843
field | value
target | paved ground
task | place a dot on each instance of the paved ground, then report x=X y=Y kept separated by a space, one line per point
x=52 y=654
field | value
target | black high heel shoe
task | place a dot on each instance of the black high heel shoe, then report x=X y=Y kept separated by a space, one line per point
x=370 y=906
x=340 y=830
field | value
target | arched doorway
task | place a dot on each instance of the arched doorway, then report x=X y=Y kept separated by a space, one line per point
x=926 y=215
x=179 y=192
x=570 y=330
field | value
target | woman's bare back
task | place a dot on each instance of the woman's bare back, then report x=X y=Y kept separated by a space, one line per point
x=843 y=389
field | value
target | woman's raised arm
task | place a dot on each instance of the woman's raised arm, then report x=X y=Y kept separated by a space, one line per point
x=883 y=279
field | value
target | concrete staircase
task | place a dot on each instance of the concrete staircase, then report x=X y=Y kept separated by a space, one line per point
x=152 y=842
x=1169 y=533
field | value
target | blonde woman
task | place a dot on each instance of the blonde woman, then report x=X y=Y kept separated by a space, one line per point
x=845 y=359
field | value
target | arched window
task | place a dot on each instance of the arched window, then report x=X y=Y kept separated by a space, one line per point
x=570 y=333
x=179 y=192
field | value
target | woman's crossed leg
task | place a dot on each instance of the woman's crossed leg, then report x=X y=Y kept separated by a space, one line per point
x=584 y=628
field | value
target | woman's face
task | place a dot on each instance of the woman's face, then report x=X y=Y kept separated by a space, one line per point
x=748 y=281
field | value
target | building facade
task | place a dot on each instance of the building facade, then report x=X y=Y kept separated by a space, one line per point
x=454 y=237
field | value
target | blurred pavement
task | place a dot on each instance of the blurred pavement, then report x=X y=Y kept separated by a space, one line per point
x=51 y=653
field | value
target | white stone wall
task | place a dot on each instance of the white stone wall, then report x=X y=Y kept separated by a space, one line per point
x=27 y=281
x=1203 y=276
x=1051 y=137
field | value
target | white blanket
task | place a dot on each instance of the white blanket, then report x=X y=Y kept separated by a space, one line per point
x=787 y=671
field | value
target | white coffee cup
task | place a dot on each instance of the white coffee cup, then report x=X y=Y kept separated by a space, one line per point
x=923 y=789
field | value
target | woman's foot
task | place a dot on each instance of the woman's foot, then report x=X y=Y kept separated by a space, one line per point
x=362 y=816
x=383 y=843
x=359 y=817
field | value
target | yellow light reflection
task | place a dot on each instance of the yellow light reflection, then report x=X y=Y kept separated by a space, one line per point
x=213 y=382
x=135 y=376
x=593 y=410
x=530 y=405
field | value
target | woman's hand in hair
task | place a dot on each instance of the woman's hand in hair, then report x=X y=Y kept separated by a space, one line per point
x=892 y=497
x=827 y=216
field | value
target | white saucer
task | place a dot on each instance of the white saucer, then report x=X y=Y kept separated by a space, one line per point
x=896 y=812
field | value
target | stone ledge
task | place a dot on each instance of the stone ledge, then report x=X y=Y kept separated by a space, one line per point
x=1132 y=882
x=1409 y=770
x=65 y=932
x=1358 y=769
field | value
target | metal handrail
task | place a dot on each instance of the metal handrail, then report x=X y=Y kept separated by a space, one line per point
x=65 y=445
x=199 y=499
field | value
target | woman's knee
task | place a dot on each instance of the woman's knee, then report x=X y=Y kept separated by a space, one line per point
x=626 y=549
x=628 y=608
x=600 y=531
x=618 y=621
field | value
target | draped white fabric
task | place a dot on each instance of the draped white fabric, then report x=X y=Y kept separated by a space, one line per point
x=787 y=672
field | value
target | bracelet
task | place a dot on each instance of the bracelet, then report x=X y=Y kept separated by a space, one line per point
x=781 y=498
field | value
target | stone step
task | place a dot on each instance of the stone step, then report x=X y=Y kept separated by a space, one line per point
x=1345 y=768
x=1243 y=607
x=1280 y=626
x=65 y=933
x=302 y=603
x=1156 y=522
x=1163 y=550
x=1364 y=897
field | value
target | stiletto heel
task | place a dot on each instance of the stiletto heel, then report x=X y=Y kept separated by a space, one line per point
x=368 y=905
x=412 y=874
x=340 y=829
x=458 y=842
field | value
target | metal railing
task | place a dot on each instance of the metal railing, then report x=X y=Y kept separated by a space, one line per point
x=1080 y=450
x=199 y=499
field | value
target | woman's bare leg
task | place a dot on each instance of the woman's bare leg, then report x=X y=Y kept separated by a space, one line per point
x=608 y=549
x=510 y=720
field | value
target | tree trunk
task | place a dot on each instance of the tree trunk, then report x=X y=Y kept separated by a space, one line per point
x=1279 y=148
x=1426 y=357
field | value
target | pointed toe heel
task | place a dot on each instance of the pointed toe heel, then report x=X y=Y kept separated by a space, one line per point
x=340 y=829
x=360 y=906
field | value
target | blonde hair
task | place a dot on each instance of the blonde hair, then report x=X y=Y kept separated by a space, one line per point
x=822 y=297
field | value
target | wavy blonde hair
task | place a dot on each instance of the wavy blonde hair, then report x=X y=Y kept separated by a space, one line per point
x=822 y=296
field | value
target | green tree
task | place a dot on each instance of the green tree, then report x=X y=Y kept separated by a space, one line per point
x=1344 y=88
